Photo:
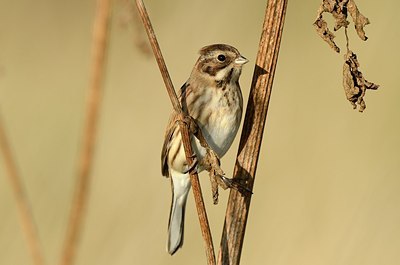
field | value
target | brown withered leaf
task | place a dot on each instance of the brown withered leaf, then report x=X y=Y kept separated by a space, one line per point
x=211 y=163
x=324 y=32
x=360 y=21
x=322 y=27
x=339 y=10
x=339 y=13
x=354 y=83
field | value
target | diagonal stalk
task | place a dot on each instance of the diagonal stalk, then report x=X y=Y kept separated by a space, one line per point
x=24 y=209
x=80 y=199
x=252 y=133
x=201 y=211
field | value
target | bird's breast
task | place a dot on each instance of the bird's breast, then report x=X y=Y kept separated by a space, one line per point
x=220 y=117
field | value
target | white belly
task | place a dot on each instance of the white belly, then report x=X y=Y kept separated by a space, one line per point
x=221 y=128
x=219 y=134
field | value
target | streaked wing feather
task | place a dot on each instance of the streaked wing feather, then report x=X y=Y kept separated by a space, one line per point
x=171 y=127
x=167 y=140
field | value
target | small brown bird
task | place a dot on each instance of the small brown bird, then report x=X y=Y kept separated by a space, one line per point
x=212 y=97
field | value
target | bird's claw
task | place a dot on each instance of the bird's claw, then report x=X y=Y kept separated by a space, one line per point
x=236 y=184
x=211 y=163
x=190 y=122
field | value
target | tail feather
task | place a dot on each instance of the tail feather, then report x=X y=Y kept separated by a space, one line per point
x=180 y=190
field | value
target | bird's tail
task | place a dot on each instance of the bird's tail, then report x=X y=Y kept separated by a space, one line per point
x=180 y=190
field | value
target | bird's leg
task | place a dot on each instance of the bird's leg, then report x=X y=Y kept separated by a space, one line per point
x=211 y=163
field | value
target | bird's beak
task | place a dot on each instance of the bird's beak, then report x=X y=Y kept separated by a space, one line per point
x=241 y=60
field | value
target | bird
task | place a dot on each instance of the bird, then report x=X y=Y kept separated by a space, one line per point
x=212 y=97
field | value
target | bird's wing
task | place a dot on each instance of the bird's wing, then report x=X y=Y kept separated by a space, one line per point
x=171 y=128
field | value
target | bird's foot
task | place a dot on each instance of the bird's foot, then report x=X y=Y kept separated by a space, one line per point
x=211 y=163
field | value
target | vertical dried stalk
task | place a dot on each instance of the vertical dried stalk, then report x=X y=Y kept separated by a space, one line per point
x=201 y=211
x=250 y=142
x=100 y=34
x=24 y=209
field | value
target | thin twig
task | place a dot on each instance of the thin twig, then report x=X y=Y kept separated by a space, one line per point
x=250 y=142
x=201 y=211
x=74 y=229
x=347 y=39
x=24 y=209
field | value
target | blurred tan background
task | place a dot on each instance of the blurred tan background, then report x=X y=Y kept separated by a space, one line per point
x=328 y=184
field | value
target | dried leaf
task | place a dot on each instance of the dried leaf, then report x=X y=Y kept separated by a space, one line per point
x=339 y=10
x=354 y=83
x=340 y=14
x=212 y=164
x=360 y=21
x=327 y=6
x=325 y=33
x=321 y=25
x=214 y=188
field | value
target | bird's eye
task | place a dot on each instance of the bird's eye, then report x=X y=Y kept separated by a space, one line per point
x=221 y=57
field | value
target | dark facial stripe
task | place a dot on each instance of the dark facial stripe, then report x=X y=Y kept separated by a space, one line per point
x=210 y=70
x=229 y=76
x=211 y=66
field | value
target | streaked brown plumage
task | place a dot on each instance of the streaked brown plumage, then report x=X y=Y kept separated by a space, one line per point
x=211 y=96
